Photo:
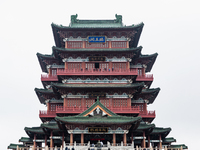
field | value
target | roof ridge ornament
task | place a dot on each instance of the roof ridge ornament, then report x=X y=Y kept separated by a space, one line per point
x=118 y=18
x=74 y=18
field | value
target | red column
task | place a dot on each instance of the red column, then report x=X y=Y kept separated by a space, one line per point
x=110 y=102
x=82 y=139
x=110 y=65
x=127 y=44
x=63 y=139
x=45 y=140
x=160 y=142
x=125 y=139
x=114 y=139
x=145 y=107
x=66 y=65
x=83 y=65
x=51 y=140
x=66 y=44
x=132 y=136
x=109 y=44
x=129 y=102
x=143 y=141
x=71 y=138
x=149 y=141
x=84 y=44
x=34 y=143
x=143 y=71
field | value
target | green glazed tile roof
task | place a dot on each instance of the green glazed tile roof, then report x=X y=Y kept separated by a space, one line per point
x=179 y=146
x=38 y=130
x=26 y=140
x=157 y=130
x=77 y=23
x=44 y=90
x=169 y=140
x=144 y=126
x=51 y=126
x=14 y=146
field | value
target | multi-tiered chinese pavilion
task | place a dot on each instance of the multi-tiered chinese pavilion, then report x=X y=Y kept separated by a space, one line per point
x=97 y=87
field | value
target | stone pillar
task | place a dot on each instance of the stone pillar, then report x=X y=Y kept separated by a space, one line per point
x=143 y=141
x=114 y=139
x=51 y=140
x=45 y=140
x=71 y=139
x=125 y=139
x=34 y=142
x=82 y=139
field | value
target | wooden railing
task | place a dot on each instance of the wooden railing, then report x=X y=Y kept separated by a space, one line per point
x=77 y=110
x=146 y=77
x=132 y=71
x=46 y=77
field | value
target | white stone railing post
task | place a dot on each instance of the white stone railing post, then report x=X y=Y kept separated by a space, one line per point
x=61 y=148
x=132 y=145
x=137 y=148
x=151 y=148
x=64 y=145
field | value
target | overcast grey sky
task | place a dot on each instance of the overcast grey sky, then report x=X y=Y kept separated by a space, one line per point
x=172 y=29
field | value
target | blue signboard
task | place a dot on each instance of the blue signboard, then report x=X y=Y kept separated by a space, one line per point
x=96 y=39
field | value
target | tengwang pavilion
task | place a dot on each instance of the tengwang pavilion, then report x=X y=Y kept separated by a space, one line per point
x=97 y=86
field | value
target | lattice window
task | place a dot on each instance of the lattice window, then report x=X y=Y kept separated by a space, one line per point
x=77 y=44
x=97 y=45
x=118 y=44
x=74 y=65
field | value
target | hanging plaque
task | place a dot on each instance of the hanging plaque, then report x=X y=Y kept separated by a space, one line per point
x=95 y=94
x=97 y=58
x=96 y=39
x=98 y=129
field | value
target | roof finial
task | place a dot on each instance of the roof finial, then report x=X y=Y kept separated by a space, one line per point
x=97 y=98
x=118 y=18
x=74 y=18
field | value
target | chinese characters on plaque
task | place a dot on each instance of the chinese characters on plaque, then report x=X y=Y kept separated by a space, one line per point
x=97 y=129
x=95 y=94
x=97 y=58
x=96 y=39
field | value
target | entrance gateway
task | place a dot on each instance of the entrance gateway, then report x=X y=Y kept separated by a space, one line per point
x=96 y=88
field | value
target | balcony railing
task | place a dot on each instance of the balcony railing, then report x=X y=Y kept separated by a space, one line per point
x=132 y=71
x=46 y=77
x=146 y=77
x=147 y=114
x=77 y=110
